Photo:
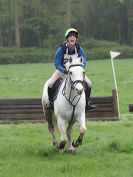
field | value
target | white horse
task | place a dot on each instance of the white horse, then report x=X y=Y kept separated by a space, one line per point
x=69 y=106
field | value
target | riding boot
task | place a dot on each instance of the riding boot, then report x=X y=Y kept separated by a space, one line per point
x=50 y=105
x=89 y=105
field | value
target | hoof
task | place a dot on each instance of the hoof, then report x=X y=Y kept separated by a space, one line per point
x=71 y=150
x=61 y=145
x=77 y=143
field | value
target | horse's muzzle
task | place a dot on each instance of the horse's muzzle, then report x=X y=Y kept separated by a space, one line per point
x=79 y=91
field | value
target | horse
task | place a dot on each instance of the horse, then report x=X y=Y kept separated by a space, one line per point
x=69 y=106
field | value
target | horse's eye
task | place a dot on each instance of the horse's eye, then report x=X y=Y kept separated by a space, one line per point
x=84 y=73
x=70 y=72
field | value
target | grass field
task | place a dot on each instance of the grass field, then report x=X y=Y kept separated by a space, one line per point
x=107 y=151
x=26 y=80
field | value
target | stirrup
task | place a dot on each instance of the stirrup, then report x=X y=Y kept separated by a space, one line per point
x=90 y=106
x=49 y=106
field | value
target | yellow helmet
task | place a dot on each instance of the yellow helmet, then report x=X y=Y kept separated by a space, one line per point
x=71 y=31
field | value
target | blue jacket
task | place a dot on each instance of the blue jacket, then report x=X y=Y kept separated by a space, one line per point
x=59 y=57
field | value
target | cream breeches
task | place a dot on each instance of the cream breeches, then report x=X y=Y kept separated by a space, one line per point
x=57 y=74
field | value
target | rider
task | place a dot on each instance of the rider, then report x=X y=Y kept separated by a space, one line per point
x=69 y=47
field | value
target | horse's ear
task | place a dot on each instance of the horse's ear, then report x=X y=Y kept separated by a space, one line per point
x=70 y=60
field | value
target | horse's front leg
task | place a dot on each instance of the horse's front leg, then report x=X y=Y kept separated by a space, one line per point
x=69 y=132
x=83 y=129
x=61 y=125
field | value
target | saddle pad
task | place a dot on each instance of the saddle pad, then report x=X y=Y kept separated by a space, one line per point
x=56 y=88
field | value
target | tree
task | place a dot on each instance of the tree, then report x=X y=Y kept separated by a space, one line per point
x=5 y=23
x=68 y=13
x=123 y=22
x=42 y=23
x=16 y=24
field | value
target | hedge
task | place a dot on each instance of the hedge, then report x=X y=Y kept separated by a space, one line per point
x=93 y=49
x=25 y=55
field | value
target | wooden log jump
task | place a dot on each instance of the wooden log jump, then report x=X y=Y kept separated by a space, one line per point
x=130 y=107
x=30 y=109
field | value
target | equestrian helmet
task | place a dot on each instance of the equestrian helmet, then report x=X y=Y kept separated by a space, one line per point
x=71 y=31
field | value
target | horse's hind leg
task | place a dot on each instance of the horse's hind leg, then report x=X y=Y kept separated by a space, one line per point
x=48 y=116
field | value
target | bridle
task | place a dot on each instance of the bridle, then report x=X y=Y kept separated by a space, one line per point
x=72 y=87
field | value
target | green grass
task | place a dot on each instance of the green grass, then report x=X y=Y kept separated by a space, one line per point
x=23 y=80
x=26 y=80
x=107 y=150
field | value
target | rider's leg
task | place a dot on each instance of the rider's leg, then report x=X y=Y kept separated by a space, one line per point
x=57 y=74
x=89 y=105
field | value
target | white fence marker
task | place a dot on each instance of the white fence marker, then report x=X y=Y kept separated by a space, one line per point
x=113 y=55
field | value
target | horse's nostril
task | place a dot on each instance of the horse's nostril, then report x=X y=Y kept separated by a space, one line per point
x=79 y=92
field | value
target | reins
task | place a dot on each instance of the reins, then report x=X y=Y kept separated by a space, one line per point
x=71 y=88
x=69 y=99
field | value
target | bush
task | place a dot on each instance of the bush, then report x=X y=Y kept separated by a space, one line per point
x=92 y=43
x=94 y=50
x=25 y=55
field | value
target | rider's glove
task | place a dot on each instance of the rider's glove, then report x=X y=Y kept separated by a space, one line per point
x=65 y=72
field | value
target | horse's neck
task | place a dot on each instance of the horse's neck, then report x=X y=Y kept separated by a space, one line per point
x=69 y=92
x=67 y=86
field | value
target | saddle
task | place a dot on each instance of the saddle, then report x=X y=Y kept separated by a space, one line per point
x=57 y=85
x=55 y=88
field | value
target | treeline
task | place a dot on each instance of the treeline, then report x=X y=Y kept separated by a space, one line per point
x=42 y=23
